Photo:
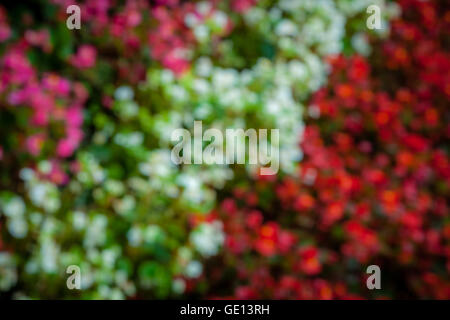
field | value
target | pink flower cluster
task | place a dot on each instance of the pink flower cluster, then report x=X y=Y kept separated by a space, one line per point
x=55 y=103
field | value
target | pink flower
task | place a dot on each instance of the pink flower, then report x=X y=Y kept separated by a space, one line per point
x=39 y=38
x=65 y=148
x=74 y=117
x=75 y=135
x=175 y=63
x=34 y=144
x=57 y=174
x=16 y=66
x=80 y=91
x=133 y=18
x=40 y=118
x=56 y=84
x=42 y=104
x=242 y=6
x=17 y=97
x=85 y=57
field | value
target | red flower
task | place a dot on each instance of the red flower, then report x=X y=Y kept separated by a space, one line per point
x=266 y=244
x=309 y=260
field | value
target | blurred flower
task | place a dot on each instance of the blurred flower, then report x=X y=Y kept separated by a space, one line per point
x=85 y=57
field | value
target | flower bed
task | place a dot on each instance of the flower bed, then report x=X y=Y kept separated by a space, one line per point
x=86 y=179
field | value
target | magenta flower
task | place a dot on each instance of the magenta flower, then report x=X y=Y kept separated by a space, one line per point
x=57 y=174
x=39 y=38
x=85 y=57
x=56 y=84
x=16 y=67
x=175 y=63
x=242 y=6
x=65 y=148
x=67 y=145
x=74 y=116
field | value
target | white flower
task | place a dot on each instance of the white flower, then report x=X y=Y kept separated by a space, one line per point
x=129 y=140
x=273 y=107
x=191 y=20
x=204 y=7
x=167 y=76
x=127 y=109
x=152 y=233
x=297 y=70
x=158 y=165
x=36 y=218
x=220 y=19
x=193 y=269
x=286 y=28
x=79 y=220
x=190 y=181
x=26 y=174
x=48 y=255
x=290 y=5
x=124 y=93
x=124 y=205
x=178 y=93
x=207 y=238
x=95 y=233
x=224 y=78
x=201 y=86
x=201 y=32
x=37 y=193
x=361 y=45
x=203 y=67
x=203 y=111
x=275 y=14
x=15 y=207
x=134 y=236
x=44 y=195
x=109 y=257
x=17 y=227
x=254 y=15
x=114 y=187
x=178 y=286
x=44 y=166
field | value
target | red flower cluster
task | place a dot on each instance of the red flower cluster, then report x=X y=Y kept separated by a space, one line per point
x=171 y=40
x=373 y=186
